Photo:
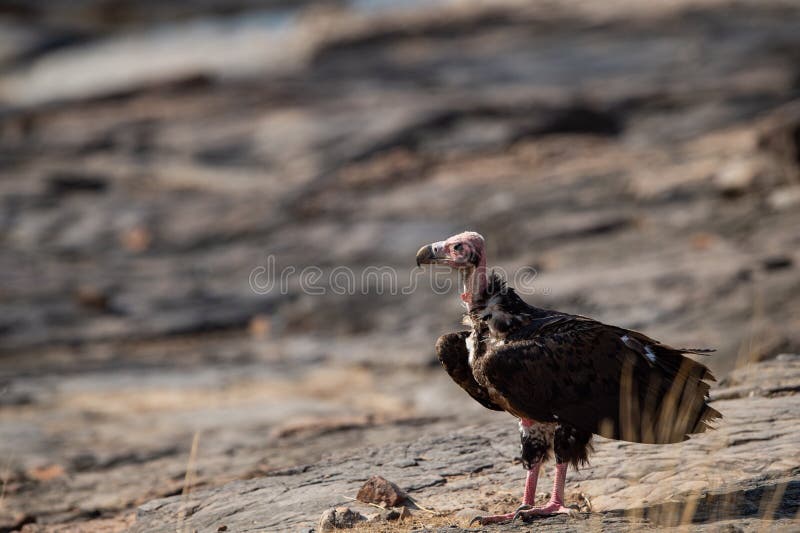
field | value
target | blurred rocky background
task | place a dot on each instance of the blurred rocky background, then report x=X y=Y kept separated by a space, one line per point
x=643 y=157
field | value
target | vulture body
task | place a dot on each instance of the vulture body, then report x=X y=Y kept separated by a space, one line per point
x=565 y=377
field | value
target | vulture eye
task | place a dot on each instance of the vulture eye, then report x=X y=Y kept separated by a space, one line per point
x=458 y=247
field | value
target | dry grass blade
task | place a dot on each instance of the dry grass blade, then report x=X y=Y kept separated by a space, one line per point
x=688 y=510
x=748 y=352
x=421 y=508
x=188 y=481
x=381 y=507
x=767 y=512
x=628 y=408
x=375 y=505
x=6 y=477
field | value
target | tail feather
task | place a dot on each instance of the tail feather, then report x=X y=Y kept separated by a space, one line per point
x=673 y=391
x=685 y=408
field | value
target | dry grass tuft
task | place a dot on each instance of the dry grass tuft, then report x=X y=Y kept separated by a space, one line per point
x=417 y=520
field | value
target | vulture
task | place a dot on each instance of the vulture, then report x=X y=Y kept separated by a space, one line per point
x=565 y=377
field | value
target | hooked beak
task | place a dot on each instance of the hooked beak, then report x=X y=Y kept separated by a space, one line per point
x=430 y=253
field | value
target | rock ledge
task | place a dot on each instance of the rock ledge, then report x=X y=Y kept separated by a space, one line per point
x=742 y=474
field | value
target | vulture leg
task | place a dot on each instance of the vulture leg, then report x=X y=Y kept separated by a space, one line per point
x=535 y=446
x=556 y=503
x=572 y=446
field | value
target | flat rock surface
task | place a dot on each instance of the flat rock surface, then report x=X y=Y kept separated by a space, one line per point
x=161 y=169
x=747 y=468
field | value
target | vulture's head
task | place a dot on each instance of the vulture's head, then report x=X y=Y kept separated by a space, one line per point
x=463 y=251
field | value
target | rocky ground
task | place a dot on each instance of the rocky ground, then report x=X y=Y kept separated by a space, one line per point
x=745 y=474
x=644 y=160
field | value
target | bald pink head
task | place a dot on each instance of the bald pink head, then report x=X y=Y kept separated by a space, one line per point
x=465 y=252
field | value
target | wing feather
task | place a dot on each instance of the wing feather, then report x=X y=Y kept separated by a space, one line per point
x=454 y=356
x=608 y=380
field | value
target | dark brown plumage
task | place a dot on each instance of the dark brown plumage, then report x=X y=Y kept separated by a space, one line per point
x=549 y=366
x=452 y=351
x=566 y=377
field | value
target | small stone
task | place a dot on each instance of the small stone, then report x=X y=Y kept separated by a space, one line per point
x=406 y=463
x=702 y=241
x=398 y=513
x=469 y=514
x=222 y=528
x=340 y=518
x=66 y=182
x=784 y=197
x=379 y=490
x=390 y=515
x=83 y=461
x=137 y=239
x=259 y=327
x=777 y=262
x=736 y=177
x=46 y=472
x=92 y=297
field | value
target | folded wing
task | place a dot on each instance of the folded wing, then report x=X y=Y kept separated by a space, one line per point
x=611 y=381
x=454 y=356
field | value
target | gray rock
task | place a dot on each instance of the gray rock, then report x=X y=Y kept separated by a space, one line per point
x=339 y=518
x=732 y=472
x=784 y=197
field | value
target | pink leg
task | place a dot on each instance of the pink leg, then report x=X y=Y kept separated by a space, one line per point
x=556 y=503
x=554 y=506
x=528 y=499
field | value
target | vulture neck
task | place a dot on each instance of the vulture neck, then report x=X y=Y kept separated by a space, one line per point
x=474 y=284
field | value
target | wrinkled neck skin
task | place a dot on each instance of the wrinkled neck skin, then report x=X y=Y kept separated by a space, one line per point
x=474 y=282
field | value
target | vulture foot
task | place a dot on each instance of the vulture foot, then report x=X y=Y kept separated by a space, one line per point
x=526 y=512
x=492 y=519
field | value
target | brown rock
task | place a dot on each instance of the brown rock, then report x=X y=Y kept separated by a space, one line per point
x=260 y=326
x=702 y=241
x=136 y=239
x=92 y=297
x=47 y=472
x=777 y=136
x=379 y=490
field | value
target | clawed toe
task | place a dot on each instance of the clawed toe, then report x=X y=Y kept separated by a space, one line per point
x=492 y=519
x=523 y=512
x=520 y=510
x=548 y=509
